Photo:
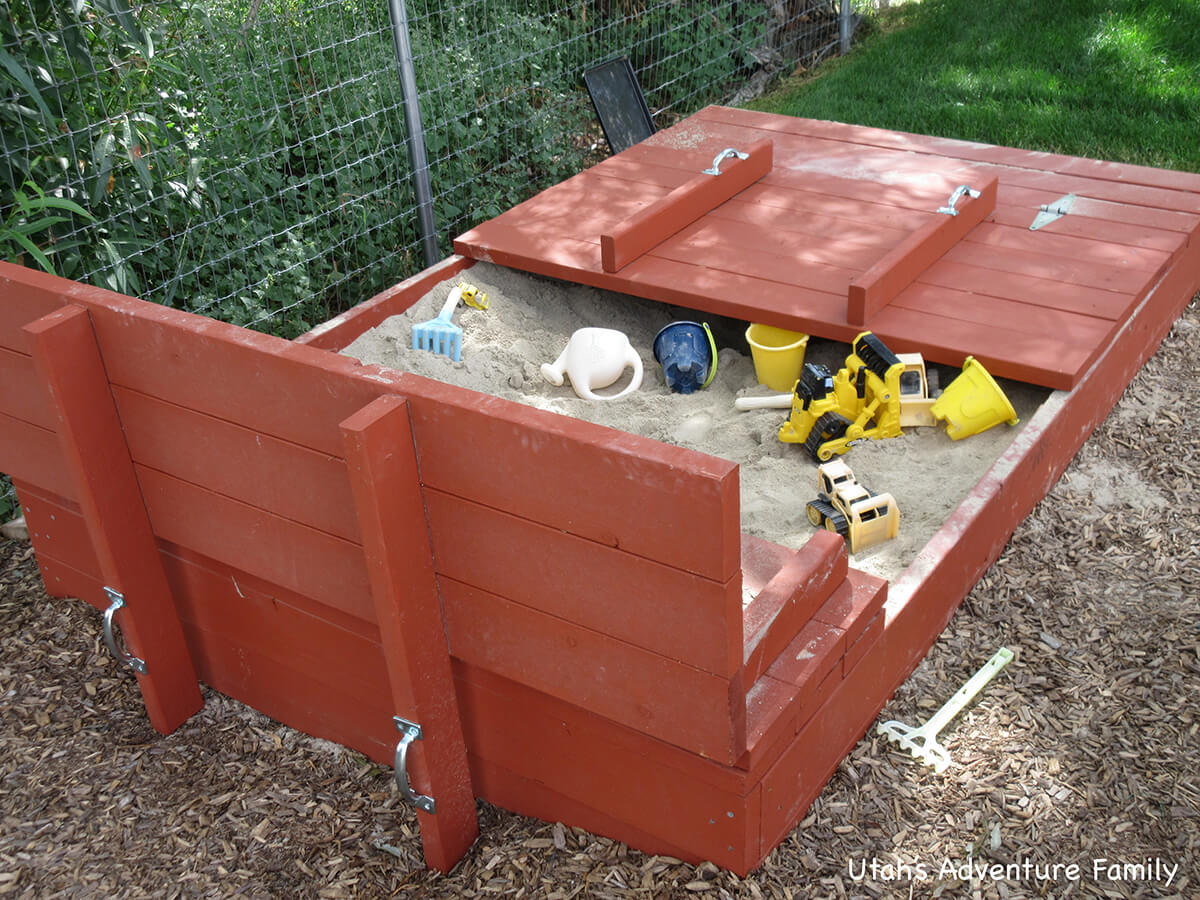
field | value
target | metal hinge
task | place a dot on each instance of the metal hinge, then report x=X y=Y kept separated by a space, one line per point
x=116 y=603
x=409 y=732
x=1053 y=211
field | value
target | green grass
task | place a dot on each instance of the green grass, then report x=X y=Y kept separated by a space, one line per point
x=1117 y=80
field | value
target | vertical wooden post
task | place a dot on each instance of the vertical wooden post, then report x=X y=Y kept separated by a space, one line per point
x=382 y=461
x=68 y=359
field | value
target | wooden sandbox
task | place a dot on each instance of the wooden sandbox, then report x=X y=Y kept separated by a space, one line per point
x=337 y=544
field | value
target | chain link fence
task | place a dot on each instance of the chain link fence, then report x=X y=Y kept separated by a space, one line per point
x=249 y=159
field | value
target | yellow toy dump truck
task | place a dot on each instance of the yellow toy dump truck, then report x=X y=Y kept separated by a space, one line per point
x=845 y=506
x=832 y=413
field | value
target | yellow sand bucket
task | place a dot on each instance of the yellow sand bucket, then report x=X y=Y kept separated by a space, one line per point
x=778 y=355
x=973 y=403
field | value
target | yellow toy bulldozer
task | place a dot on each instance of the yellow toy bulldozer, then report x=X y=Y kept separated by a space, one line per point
x=832 y=413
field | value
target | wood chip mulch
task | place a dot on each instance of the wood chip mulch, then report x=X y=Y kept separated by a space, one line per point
x=1084 y=751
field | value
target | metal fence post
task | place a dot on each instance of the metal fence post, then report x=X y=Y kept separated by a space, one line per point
x=844 y=27
x=416 y=131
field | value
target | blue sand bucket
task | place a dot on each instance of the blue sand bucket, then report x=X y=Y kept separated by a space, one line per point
x=688 y=356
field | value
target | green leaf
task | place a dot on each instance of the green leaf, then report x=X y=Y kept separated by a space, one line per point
x=32 y=249
x=21 y=77
x=103 y=162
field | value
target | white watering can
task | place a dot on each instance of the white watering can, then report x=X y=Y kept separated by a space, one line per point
x=595 y=358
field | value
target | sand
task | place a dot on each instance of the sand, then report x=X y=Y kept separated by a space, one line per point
x=529 y=321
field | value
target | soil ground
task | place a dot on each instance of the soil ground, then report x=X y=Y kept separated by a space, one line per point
x=1083 y=752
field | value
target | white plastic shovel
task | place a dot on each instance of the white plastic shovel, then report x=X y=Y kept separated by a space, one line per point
x=922 y=742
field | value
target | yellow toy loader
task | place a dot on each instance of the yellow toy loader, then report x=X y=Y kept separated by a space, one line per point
x=832 y=413
x=843 y=505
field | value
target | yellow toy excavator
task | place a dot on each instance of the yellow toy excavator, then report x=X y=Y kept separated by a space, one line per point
x=832 y=413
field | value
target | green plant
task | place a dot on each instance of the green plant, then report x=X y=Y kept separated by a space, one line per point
x=30 y=214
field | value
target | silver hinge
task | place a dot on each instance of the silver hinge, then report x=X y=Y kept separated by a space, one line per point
x=1053 y=211
x=409 y=732
x=116 y=603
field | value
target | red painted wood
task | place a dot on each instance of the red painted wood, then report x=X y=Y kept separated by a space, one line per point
x=342 y=330
x=782 y=608
x=531 y=797
x=707 y=821
x=27 y=295
x=93 y=445
x=616 y=489
x=613 y=679
x=1006 y=353
x=57 y=529
x=1124 y=175
x=63 y=580
x=813 y=654
x=899 y=268
x=958 y=281
x=862 y=645
x=667 y=611
x=22 y=394
x=274 y=475
x=854 y=605
x=32 y=454
x=1081 y=248
x=313 y=563
x=387 y=494
x=1087 y=210
x=685 y=204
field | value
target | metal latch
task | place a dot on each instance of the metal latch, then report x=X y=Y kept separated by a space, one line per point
x=948 y=209
x=725 y=154
x=409 y=732
x=1051 y=212
x=116 y=603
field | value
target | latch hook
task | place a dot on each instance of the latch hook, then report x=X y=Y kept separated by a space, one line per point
x=725 y=154
x=949 y=209
x=117 y=602
x=409 y=732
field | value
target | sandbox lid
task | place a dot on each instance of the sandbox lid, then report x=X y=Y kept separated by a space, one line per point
x=842 y=234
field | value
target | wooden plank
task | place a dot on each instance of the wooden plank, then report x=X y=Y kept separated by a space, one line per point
x=603 y=485
x=387 y=494
x=33 y=455
x=277 y=476
x=682 y=206
x=862 y=645
x=614 y=679
x=57 y=529
x=1120 y=174
x=27 y=295
x=879 y=285
x=790 y=599
x=342 y=330
x=1037 y=359
x=1082 y=248
x=93 y=445
x=22 y=394
x=787 y=304
x=1027 y=290
x=853 y=609
x=667 y=611
x=988 y=311
x=309 y=562
x=1086 y=210
x=505 y=728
